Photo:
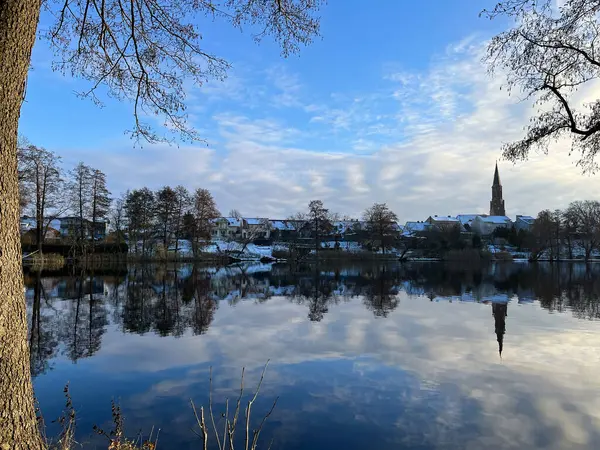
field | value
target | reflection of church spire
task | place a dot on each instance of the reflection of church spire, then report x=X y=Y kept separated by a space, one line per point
x=499 y=311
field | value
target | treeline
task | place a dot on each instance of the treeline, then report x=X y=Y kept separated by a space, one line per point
x=568 y=233
x=47 y=193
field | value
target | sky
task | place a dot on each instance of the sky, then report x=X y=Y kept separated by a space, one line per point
x=392 y=104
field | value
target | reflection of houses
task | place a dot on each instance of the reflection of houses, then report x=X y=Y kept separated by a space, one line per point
x=487 y=225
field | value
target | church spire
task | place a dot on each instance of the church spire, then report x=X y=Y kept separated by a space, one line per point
x=497 y=203
x=497 y=176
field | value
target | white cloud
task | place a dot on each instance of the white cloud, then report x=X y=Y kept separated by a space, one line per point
x=424 y=143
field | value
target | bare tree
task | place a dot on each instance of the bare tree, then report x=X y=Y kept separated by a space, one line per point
x=100 y=204
x=542 y=232
x=381 y=224
x=548 y=55
x=204 y=211
x=140 y=210
x=586 y=220
x=236 y=214
x=183 y=203
x=117 y=217
x=138 y=50
x=79 y=199
x=166 y=206
x=43 y=177
x=319 y=220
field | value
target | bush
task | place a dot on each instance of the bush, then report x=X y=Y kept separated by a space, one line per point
x=468 y=255
x=51 y=261
x=503 y=256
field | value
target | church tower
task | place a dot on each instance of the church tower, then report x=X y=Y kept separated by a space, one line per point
x=497 y=203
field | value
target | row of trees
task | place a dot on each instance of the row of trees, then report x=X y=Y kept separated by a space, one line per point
x=169 y=214
x=560 y=231
x=166 y=215
x=46 y=192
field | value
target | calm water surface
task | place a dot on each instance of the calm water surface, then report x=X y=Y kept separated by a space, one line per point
x=362 y=357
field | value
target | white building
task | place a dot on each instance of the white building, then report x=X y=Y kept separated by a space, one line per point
x=524 y=223
x=466 y=220
x=487 y=225
x=256 y=228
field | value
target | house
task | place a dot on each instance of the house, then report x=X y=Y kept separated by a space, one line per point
x=487 y=225
x=227 y=228
x=524 y=223
x=443 y=222
x=466 y=220
x=28 y=223
x=256 y=228
x=71 y=227
x=413 y=228
x=286 y=229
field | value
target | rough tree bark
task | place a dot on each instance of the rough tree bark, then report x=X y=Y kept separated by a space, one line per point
x=18 y=425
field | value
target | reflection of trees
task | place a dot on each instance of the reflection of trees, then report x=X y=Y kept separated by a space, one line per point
x=43 y=340
x=85 y=318
x=170 y=300
x=381 y=296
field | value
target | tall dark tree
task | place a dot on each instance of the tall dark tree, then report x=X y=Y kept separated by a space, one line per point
x=140 y=211
x=204 y=211
x=381 y=224
x=166 y=209
x=542 y=234
x=319 y=219
x=548 y=56
x=100 y=204
x=118 y=218
x=79 y=197
x=43 y=177
x=141 y=50
x=183 y=203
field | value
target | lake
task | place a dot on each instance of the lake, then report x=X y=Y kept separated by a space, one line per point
x=365 y=356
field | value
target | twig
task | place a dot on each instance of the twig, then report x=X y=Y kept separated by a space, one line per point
x=250 y=403
x=257 y=432
x=201 y=424
x=210 y=408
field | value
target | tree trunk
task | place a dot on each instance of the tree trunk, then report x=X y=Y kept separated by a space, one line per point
x=18 y=424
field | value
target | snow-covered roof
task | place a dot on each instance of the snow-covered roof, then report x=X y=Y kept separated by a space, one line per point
x=255 y=220
x=443 y=219
x=282 y=225
x=496 y=219
x=414 y=227
x=526 y=218
x=231 y=221
x=468 y=218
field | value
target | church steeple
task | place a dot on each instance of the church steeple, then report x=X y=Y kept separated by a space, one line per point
x=497 y=203
x=497 y=177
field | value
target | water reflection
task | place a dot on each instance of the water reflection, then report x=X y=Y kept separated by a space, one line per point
x=170 y=300
x=388 y=356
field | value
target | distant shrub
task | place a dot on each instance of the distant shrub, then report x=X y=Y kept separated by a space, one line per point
x=503 y=256
x=51 y=261
x=281 y=254
x=464 y=255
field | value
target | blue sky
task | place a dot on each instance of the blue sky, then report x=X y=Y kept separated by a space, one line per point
x=392 y=105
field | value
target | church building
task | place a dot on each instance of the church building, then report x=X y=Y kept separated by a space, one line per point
x=497 y=203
